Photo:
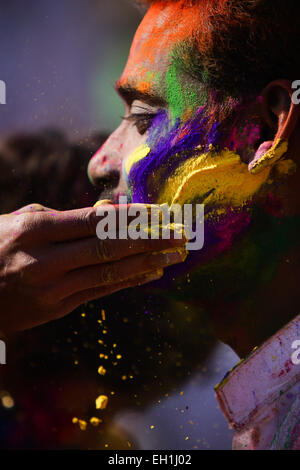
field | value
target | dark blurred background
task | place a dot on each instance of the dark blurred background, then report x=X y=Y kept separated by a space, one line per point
x=60 y=61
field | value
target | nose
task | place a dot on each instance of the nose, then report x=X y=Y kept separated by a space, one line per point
x=104 y=171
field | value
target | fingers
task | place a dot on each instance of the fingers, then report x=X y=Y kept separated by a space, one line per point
x=90 y=251
x=69 y=304
x=117 y=272
x=38 y=222
x=59 y=226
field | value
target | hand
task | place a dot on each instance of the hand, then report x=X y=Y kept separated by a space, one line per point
x=51 y=262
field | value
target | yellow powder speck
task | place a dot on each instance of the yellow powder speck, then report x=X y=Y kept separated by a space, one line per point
x=75 y=420
x=82 y=425
x=76 y=363
x=124 y=377
x=181 y=393
x=105 y=357
x=101 y=356
x=119 y=356
x=152 y=427
x=100 y=341
x=7 y=401
x=95 y=421
x=106 y=445
x=103 y=315
x=101 y=402
x=187 y=438
x=114 y=345
x=129 y=444
x=105 y=332
x=83 y=315
x=112 y=393
x=101 y=370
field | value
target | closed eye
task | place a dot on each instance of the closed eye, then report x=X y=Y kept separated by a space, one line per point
x=142 y=121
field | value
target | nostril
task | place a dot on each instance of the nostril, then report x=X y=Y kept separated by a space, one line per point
x=106 y=181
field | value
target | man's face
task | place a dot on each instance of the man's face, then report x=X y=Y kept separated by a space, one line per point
x=177 y=144
x=148 y=86
x=168 y=112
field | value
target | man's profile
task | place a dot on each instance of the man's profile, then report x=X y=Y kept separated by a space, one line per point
x=209 y=119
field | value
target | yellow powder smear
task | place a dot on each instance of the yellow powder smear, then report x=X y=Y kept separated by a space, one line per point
x=138 y=154
x=286 y=167
x=219 y=178
x=180 y=250
x=271 y=156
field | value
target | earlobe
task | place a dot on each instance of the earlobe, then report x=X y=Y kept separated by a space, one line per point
x=282 y=115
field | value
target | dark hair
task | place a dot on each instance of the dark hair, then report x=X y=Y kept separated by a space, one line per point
x=46 y=168
x=243 y=45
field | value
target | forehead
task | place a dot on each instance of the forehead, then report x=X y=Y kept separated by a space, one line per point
x=163 y=27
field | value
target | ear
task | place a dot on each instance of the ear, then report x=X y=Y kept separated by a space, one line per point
x=282 y=115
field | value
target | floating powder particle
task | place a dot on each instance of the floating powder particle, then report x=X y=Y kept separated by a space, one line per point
x=101 y=370
x=119 y=356
x=95 y=421
x=101 y=402
x=75 y=420
x=103 y=315
x=82 y=425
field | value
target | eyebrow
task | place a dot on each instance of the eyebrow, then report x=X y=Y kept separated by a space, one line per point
x=129 y=94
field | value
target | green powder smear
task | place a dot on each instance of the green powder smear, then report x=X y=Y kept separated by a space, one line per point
x=182 y=92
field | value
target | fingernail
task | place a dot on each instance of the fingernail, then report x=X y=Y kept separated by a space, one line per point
x=102 y=203
x=168 y=257
x=150 y=277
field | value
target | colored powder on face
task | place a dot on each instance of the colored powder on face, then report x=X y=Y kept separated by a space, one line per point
x=182 y=94
x=174 y=94
x=170 y=145
x=217 y=179
x=270 y=157
x=139 y=154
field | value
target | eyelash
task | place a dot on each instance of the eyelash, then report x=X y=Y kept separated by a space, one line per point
x=142 y=121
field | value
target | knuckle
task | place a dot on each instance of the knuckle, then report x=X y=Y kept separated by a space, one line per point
x=104 y=250
x=36 y=207
x=107 y=274
x=45 y=298
x=90 y=218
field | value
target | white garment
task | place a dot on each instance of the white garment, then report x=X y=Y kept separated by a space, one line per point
x=260 y=397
